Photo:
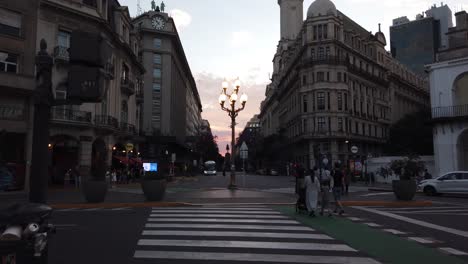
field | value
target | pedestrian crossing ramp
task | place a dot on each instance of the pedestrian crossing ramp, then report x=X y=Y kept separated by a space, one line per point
x=237 y=234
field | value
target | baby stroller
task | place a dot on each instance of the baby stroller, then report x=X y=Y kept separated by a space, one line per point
x=301 y=206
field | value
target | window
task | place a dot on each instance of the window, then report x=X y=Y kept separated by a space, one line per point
x=319 y=31
x=328 y=101
x=346 y=102
x=304 y=103
x=320 y=76
x=340 y=101
x=338 y=76
x=157 y=43
x=8 y=62
x=304 y=125
x=315 y=33
x=321 y=53
x=157 y=59
x=363 y=129
x=375 y=131
x=312 y=80
x=304 y=79
x=340 y=124
x=345 y=77
x=157 y=73
x=356 y=127
x=369 y=129
x=328 y=76
x=312 y=53
x=327 y=52
x=125 y=32
x=124 y=112
x=321 y=124
x=10 y=23
x=321 y=101
x=325 y=31
x=92 y=3
x=156 y=87
x=63 y=39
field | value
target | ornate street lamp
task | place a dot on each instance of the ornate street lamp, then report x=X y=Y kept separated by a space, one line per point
x=233 y=113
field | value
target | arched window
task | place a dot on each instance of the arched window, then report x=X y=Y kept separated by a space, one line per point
x=124 y=112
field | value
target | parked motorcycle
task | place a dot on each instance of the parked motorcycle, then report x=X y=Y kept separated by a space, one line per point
x=24 y=234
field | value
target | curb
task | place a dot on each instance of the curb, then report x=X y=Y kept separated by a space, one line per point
x=120 y=205
x=388 y=203
x=379 y=190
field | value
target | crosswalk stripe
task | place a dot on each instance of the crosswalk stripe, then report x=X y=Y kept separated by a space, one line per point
x=120 y=209
x=454 y=251
x=432 y=211
x=420 y=208
x=92 y=209
x=218 y=208
x=216 y=212
x=219 y=215
x=66 y=210
x=245 y=244
x=355 y=219
x=395 y=232
x=263 y=221
x=421 y=240
x=230 y=226
x=372 y=224
x=234 y=234
x=246 y=257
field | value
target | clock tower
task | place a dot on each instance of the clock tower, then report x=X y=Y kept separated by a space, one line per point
x=291 y=18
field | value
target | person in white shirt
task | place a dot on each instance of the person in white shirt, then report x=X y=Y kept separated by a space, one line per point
x=312 y=185
x=326 y=187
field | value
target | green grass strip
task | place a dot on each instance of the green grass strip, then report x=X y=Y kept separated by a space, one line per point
x=382 y=246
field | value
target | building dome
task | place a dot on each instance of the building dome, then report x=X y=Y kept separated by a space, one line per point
x=321 y=8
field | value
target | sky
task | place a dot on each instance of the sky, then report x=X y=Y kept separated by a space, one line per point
x=238 y=38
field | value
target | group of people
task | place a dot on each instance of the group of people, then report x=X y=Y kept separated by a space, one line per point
x=320 y=184
x=123 y=176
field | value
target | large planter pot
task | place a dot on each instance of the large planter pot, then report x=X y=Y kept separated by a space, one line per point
x=95 y=191
x=404 y=190
x=154 y=190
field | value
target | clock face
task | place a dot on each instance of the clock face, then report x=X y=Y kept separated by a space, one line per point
x=158 y=23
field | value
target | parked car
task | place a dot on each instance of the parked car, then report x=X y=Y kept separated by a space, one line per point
x=261 y=172
x=273 y=172
x=452 y=182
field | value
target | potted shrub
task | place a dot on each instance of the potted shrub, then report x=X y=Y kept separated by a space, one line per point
x=407 y=170
x=153 y=184
x=95 y=188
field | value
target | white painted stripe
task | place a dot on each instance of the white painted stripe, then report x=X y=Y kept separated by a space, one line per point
x=244 y=244
x=372 y=224
x=219 y=215
x=65 y=225
x=215 y=208
x=228 y=226
x=260 y=221
x=454 y=251
x=377 y=194
x=418 y=208
x=121 y=209
x=421 y=240
x=452 y=231
x=93 y=209
x=66 y=210
x=216 y=212
x=355 y=219
x=395 y=232
x=234 y=234
x=247 y=257
x=432 y=211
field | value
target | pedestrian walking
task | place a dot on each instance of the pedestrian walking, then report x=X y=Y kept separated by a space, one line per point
x=427 y=175
x=347 y=180
x=114 y=178
x=77 y=177
x=326 y=187
x=312 y=185
x=338 y=183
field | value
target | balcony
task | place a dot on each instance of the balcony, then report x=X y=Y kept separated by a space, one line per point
x=109 y=69
x=70 y=116
x=363 y=73
x=127 y=86
x=106 y=122
x=11 y=113
x=61 y=54
x=140 y=96
x=450 y=113
x=332 y=60
x=128 y=128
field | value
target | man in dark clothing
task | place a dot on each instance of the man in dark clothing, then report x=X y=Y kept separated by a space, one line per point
x=339 y=182
x=427 y=175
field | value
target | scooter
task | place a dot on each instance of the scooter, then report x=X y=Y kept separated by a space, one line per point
x=24 y=234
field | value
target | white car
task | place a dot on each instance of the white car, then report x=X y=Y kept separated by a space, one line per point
x=452 y=182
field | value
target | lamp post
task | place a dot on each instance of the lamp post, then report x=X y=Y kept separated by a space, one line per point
x=233 y=113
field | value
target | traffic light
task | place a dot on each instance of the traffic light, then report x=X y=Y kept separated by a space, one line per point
x=89 y=53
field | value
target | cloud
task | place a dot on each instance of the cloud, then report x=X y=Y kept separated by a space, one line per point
x=181 y=18
x=241 y=38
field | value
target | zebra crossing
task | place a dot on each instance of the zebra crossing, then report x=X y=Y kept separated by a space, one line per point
x=246 y=234
x=97 y=209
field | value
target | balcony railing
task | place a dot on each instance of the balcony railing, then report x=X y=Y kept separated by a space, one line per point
x=69 y=115
x=127 y=128
x=13 y=113
x=109 y=69
x=127 y=86
x=61 y=54
x=334 y=60
x=450 y=112
x=106 y=122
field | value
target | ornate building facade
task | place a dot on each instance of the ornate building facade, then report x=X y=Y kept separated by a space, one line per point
x=335 y=86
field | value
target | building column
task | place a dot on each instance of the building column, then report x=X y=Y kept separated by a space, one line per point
x=334 y=152
x=85 y=158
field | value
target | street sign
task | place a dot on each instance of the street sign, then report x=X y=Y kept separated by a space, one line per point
x=244 y=147
x=244 y=154
x=173 y=157
x=354 y=149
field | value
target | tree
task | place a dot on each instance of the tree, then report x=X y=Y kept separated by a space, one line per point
x=411 y=135
x=208 y=147
x=408 y=168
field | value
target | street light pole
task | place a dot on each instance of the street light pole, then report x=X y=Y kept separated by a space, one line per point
x=233 y=113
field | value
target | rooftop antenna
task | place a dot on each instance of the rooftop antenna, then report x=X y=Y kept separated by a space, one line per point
x=139 y=10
